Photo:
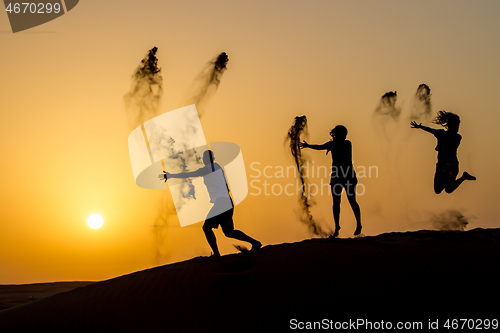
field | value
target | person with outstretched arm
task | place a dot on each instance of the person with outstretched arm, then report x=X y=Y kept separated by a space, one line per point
x=343 y=175
x=222 y=211
x=448 y=141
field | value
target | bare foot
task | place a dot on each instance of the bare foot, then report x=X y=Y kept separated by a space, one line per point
x=256 y=246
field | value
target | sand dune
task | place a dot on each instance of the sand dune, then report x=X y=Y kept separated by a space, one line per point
x=396 y=276
x=15 y=295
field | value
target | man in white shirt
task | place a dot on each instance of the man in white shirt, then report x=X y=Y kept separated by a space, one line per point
x=222 y=211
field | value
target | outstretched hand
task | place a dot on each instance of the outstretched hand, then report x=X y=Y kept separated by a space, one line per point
x=415 y=125
x=165 y=175
x=303 y=144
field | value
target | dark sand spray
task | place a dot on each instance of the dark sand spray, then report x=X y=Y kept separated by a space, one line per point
x=143 y=100
x=422 y=108
x=449 y=220
x=207 y=81
x=386 y=118
x=298 y=128
x=387 y=106
x=439 y=219
x=142 y=103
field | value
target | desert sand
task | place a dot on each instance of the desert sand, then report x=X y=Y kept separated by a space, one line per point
x=15 y=295
x=420 y=275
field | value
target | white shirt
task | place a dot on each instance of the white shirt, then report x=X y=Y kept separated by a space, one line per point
x=215 y=181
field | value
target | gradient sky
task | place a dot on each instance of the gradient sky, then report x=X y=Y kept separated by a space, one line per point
x=64 y=129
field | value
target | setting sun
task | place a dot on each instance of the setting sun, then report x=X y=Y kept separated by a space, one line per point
x=95 y=221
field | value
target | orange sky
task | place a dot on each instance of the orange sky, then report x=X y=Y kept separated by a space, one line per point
x=64 y=128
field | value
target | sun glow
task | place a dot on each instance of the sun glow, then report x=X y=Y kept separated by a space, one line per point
x=95 y=221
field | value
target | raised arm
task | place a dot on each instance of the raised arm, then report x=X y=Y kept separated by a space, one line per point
x=198 y=173
x=304 y=144
x=425 y=128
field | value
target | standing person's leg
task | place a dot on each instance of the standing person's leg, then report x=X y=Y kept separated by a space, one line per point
x=336 y=195
x=227 y=225
x=357 y=214
x=351 y=196
x=210 y=223
x=212 y=241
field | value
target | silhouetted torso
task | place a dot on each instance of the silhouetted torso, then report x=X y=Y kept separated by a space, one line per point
x=448 y=143
x=341 y=151
x=215 y=182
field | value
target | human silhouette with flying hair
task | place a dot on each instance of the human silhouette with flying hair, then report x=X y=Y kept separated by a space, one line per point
x=343 y=175
x=448 y=141
x=221 y=212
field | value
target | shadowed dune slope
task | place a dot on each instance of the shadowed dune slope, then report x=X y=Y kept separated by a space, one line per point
x=15 y=295
x=395 y=276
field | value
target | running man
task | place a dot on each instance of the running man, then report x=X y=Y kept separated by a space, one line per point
x=343 y=175
x=448 y=141
x=221 y=212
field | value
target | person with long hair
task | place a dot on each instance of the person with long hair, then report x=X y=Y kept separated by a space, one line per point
x=343 y=175
x=448 y=141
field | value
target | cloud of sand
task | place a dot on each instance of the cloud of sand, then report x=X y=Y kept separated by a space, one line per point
x=449 y=220
x=386 y=122
x=387 y=106
x=298 y=128
x=207 y=81
x=142 y=103
x=422 y=106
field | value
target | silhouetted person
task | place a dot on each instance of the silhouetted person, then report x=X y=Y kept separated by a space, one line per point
x=221 y=212
x=343 y=175
x=447 y=145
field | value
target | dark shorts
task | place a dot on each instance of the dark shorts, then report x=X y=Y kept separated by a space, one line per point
x=343 y=175
x=447 y=167
x=344 y=181
x=348 y=184
x=221 y=214
x=341 y=178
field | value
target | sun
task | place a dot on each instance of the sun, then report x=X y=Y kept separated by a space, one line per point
x=95 y=221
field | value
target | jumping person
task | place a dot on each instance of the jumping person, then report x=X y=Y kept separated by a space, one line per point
x=221 y=212
x=343 y=175
x=448 y=141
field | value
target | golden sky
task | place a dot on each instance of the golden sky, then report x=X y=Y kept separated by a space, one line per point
x=64 y=129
